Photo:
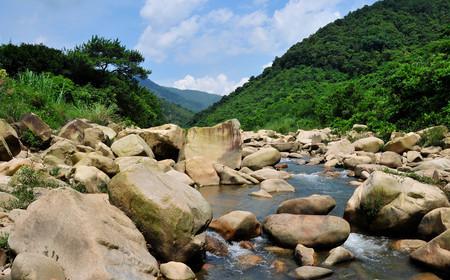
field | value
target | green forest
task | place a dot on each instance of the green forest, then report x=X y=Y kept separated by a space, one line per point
x=386 y=65
x=96 y=80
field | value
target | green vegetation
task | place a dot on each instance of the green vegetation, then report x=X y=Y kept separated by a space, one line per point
x=95 y=80
x=386 y=66
x=4 y=242
x=433 y=136
x=24 y=181
x=373 y=203
x=417 y=177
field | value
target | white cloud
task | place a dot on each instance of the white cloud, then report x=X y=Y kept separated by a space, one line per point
x=175 y=29
x=220 y=84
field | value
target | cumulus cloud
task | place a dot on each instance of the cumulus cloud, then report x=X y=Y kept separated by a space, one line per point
x=220 y=84
x=177 y=29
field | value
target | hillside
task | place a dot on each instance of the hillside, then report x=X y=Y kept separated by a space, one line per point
x=192 y=100
x=385 y=65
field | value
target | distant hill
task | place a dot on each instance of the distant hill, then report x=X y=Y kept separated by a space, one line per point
x=192 y=100
x=385 y=65
x=174 y=113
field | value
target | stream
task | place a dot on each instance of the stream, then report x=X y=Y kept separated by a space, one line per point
x=374 y=257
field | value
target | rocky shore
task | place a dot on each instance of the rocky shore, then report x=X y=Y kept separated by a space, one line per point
x=110 y=202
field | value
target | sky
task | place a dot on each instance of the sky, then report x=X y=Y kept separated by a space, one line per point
x=208 y=45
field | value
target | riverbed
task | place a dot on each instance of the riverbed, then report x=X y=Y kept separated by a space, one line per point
x=374 y=257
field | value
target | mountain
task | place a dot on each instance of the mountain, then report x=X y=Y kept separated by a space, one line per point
x=386 y=65
x=192 y=100
x=174 y=113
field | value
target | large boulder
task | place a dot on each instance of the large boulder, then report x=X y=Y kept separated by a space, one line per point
x=60 y=153
x=105 y=164
x=85 y=235
x=353 y=161
x=262 y=158
x=369 y=144
x=131 y=145
x=92 y=178
x=93 y=136
x=202 y=171
x=37 y=126
x=435 y=222
x=74 y=130
x=390 y=159
x=237 y=225
x=403 y=143
x=340 y=148
x=269 y=173
x=221 y=143
x=180 y=176
x=438 y=163
x=31 y=266
x=390 y=204
x=436 y=254
x=309 y=230
x=171 y=215
x=9 y=141
x=230 y=176
x=311 y=205
x=276 y=185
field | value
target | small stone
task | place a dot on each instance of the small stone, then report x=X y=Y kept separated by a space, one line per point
x=176 y=271
x=338 y=255
x=311 y=272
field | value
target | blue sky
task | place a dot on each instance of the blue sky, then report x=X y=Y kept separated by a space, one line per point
x=208 y=45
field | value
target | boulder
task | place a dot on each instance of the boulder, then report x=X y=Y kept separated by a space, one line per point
x=338 y=255
x=10 y=167
x=391 y=204
x=309 y=230
x=230 y=176
x=93 y=136
x=105 y=164
x=74 y=130
x=269 y=173
x=85 y=235
x=248 y=151
x=104 y=150
x=202 y=171
x=60 y=153
x=413 y=156
x=390 y=159
x=171 y=215
x=262 y=158
x=37 y=126
x=435 y=253
x=261 y=194
x=434 y=222
x=176 y=271
x=432 y=150
x=126 y=162
x=283 y=146
x=369 y=168
x=403 y=143
x=216 y=246
x=438 y=163
x=248 y=261
x=108 y=132
x=131 y=145
x=305 y=255
x=407 y=245
x=369 y=144
x=276 y=185
x=340 y=148
x=221 y=143
x=9 y=142
x=31 y=266
x=181 y=177
x=311 y=272
x=311 y=205
x=92 y=178
x=237 y=225
x=354 y=160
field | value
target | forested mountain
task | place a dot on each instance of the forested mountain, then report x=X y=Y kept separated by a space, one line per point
x=192 y=100
x=386 y=65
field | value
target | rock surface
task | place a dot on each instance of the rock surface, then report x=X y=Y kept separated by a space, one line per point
x=9 y=141
x=309 y=230
x=202 y=171
x=131 y=145
x=403 y=143
x=87 y=236
x=170 y=214
x=369 y=144
x=30 y=266
x=262 y=158
x=237 y=225
x=434 y=222
x=338 y=255
x=436 y=253
x=311 y=205
x=276 y=185
x=311 y=272
x=305 y=255
x=176 y=271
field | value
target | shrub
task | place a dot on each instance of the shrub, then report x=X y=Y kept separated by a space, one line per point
x=373 y=203
x=433 y=136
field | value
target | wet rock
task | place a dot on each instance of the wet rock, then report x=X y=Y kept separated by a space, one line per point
x=9 y=142
x=338 y=255
x=220 y=143
x=434 y=223
x=305 y=255
x=202 y=171
x=216 y=246
x=407 y=245
x=311 y=205
x=279 y=250
x=262 y=158
x=249 y=261
x=131 y=145
x=176 y=271
x=85 y=235
x=279 y=266
x=276 y=185
x=403 y=143
x=369 y=144
x=262 y=194
x=30 y=266
x=269 y=173
x=425 y=276
x=435 y=253
x=245 y=244
x=311 y=272
x=237 y=225
x=390 y=159
x=309 y=230
x=389 y=203
x=146 y=196
x=229 y=176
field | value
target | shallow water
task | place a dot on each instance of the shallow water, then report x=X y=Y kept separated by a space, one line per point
x=374 y=258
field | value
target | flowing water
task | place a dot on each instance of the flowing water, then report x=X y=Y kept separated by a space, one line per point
x=374 y=258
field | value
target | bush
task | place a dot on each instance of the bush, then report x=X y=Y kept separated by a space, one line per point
x=373 y=203
x=433 y=136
